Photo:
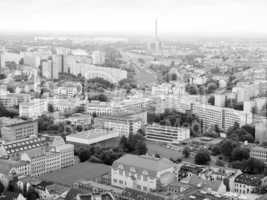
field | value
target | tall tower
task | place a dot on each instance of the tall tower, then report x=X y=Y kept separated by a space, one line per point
x=156 y=29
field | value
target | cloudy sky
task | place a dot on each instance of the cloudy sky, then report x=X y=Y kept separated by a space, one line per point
x=135 y=16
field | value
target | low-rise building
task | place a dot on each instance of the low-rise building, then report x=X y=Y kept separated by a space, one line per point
x=247 y=183
x=122 y=125
x=259 y=153
x=92 y=136
x=33 y=109
x=141 y=172
x=13 y=99
x=19 y=130
x=167 y=134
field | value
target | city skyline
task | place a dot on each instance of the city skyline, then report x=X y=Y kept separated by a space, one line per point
x=180 y=17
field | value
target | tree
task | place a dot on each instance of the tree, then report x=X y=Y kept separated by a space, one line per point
x=219 y=163
x=240 y=154
x=202 y=157
x=51 y=108
x=2 y=188
x=211 y=100
x=215 y=150
x=227 y=146
x=186 y=152
x=140 y=148
x=192 y=89
x=84 y=155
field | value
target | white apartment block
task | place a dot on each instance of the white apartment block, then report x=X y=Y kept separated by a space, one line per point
x=139 y=172
x=46 y=66
x=231 y=116
x=167 y=134
x=112 y=75
x=210 y=115
x=33 y=109
x=98 y=57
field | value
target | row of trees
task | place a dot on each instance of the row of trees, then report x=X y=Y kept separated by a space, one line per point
x=238 y=156
x=134 y=144
x=244 y=133
x=99 y=97
x=175 y=118
x=98 y=84
x=207 y=88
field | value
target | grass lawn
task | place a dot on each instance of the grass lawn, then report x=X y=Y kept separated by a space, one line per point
x=154 y=148
x=68 y=176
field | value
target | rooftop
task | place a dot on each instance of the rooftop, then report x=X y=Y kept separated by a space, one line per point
x=248 y=179
x=143 y=163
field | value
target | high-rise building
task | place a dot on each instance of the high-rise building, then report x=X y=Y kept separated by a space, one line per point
x=98 y=58
x=57 y=65
x=47 y=68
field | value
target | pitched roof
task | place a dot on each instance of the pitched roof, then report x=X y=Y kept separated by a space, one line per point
x=141 y=163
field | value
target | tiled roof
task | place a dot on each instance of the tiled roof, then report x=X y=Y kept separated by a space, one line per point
x=248 y=179
x=142 y=163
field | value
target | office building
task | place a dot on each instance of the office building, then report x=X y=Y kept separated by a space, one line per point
x=121 y=125
x=33 y=109
x=9 y=100
x=167 y=134
x=19 y=130
x=141 y=172
x=57 y=65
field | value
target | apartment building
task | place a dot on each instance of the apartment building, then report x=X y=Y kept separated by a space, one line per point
x=140 y=172
x=33 y=109
x=19 y=130
x=122 y=125
x=231 y=116
x=210 y=115
x=167 y=134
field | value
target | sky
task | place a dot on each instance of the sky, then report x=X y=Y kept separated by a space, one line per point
x=134 y=16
